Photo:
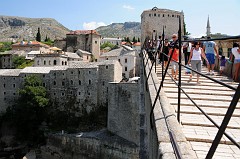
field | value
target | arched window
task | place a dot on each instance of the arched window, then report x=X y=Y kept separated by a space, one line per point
x=65 y=62
x=89 y=81
x=44 y=62
x=54 y=82
x=79 y=82
x=55 y=62
x=62 y=63
x=71 y=82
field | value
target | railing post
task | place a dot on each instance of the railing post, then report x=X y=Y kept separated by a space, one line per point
x=179 y=70
x=224 y=124
x=163 y=36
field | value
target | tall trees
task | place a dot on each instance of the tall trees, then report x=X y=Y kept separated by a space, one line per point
x=38 y=37
x=29 y=111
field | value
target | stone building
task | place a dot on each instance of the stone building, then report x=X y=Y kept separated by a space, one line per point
x=114 y=41
x=127 y=57
x=87 y=40
x=154 y=20
x=85 y=85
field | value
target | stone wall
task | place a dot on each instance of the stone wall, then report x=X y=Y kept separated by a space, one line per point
x=93 y=145
x=123 y=111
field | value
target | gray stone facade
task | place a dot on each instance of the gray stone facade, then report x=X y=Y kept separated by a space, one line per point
x=85 y=85
x=88 y=40
x=123 y=111
x=154 y=20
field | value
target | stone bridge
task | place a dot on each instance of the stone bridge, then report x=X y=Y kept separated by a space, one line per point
x=194 y=134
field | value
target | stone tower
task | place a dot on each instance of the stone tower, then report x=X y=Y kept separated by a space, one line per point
x=208 y=27
x=153 y=21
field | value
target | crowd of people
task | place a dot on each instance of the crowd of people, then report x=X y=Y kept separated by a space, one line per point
x=195 y=54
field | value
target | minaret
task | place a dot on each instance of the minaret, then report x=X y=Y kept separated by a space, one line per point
x=208 y=27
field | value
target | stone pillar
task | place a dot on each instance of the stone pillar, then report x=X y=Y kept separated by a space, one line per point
x=123 y=111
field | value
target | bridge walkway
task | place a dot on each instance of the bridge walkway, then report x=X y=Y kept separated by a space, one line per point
x=214 y=99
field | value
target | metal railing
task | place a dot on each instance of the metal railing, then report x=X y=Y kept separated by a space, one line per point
x=231 y=108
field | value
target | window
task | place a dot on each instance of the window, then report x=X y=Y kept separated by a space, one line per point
x=163 y=15
x=71 y=82
x=63 y=94
x=44 y=62
x=4 y=93
x=14 y=85
x=87 y=57
x=95 y=42
x=89 y=82
x=125 y=60
x=54 y=83
x=125 y=68
x=4 y=85
x=79 y=72
x=149 y=15
x=106 y=67
x=54 y=74
x=54 y=94
x=38 y=62
x=62 y=63
x=89 y=94
x=49 y=62
x=106 y=58
x=79 y=82
x=43 y=76
x=89 y=72
x=63 y=83
x=14 y=94
x=155 y=15
x=79 y=93
x=119 y=60
x=103 y=83
x=172 y=15
x=55 y=62
x=71 y=72
x=65 y=62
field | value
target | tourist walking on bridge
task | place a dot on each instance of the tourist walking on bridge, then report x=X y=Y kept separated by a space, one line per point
x=210 y=47
x=236 y=53
x=174 y=49
x=196 y=61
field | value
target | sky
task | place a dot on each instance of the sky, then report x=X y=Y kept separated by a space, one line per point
x=89 y=14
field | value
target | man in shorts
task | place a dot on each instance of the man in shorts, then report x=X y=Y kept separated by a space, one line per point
x=174 y=49
x=209 y=48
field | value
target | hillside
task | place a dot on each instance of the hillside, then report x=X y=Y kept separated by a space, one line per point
x=20 y=28
x=127 y=29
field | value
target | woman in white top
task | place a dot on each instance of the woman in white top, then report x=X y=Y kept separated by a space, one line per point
x=196 y=61
x=236 y=53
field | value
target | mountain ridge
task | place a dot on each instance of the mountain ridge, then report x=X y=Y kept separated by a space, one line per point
x=24 y=28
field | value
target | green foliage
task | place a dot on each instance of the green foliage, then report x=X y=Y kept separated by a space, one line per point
x=28 y=112
x=20 y=62
x=38 y=36
x=134 y=39
x=5 y=46
x=185 y=29
x=107 y=44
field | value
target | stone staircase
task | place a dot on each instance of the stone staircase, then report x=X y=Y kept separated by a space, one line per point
x=214 y=99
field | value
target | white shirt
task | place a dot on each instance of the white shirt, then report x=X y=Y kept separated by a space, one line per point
x=236 y=53
x=196 y=54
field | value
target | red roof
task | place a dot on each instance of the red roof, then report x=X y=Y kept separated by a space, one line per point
x=25 y=43
x=78 y=32
x=137 y=44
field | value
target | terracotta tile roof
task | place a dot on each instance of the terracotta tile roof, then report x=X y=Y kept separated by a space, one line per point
x=26 y=43
x=78 y=32
x=137 y=44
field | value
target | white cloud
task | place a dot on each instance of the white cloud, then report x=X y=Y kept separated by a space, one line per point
x=92 y=25
x=128 y=7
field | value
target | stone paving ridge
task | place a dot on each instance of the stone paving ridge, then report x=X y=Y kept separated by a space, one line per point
x=214 y=99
